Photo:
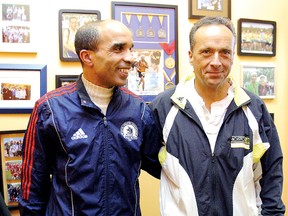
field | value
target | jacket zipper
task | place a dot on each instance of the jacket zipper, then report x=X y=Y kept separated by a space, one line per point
x=106 y=158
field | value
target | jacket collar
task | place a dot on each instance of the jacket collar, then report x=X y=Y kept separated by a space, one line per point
x=179 y=96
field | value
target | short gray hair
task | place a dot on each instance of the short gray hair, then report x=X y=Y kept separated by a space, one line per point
x=213 y=20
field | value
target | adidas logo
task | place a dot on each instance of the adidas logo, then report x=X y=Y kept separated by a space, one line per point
x=79 y=135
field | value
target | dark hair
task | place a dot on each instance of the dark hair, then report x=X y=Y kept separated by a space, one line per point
x=214 y=20
x=87 y=37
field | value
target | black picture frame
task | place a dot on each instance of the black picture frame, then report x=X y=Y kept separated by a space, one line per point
x=11 y=163
x=256 y=37
x=31 y=77
x=199 y=8
x=155 y=35
x=75 y=17
x=62 y=80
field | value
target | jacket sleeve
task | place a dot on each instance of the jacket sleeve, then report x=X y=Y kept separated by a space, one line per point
x=272 y=174
x=35 y=181
x=151 y=145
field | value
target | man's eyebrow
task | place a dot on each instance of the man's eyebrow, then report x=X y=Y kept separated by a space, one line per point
x=119 y=45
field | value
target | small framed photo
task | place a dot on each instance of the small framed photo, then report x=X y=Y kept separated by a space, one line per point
x=155 y=51
x=259 y=79
x=19 y=33
x=200 y=8
x=256 y=37
x=69 y=22
x=11 y=159
x=21 y=86
x=62 y=80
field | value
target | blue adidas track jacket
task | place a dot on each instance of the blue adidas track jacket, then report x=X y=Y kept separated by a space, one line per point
x=242 y=177
x=76 y=161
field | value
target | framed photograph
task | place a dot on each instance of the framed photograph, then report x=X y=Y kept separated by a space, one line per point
x=21 y=85
x=69 y=22
x=17 y=24
x=200 y=8
x=259 y=79
x=62 y=80
x=154 y=29
x=11 y=163
x=256 y=37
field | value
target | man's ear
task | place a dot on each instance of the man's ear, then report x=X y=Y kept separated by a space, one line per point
x=190 y=54
x=85 y=56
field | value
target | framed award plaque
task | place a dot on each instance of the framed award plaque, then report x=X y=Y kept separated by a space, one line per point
x=154 y=30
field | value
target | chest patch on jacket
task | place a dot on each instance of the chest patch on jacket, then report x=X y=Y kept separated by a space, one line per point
x=240 y=142
x=129 y=130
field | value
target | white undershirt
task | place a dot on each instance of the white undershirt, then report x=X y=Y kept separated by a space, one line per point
x=100 y=96
x=211 y=121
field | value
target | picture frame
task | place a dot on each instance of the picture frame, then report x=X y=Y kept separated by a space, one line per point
x=23 y=83
x=155 y=35
x=256 y=37
x=259 y=79
x=69 y=22
x=200 y=8
x=18 y=27
x=62 y=80
x=11 y=163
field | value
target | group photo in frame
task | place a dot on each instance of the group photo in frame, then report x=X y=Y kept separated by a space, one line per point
x=62 y=80
x=11 y=160
x=259 y=79
x=69 y=22
x=200 y=8
x=155 y=51
x=18 y=27
x=256 y=37
x=21 y=85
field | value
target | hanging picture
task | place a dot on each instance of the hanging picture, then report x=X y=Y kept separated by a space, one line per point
x=11 y=160
x=259 y=79
x=18 y=26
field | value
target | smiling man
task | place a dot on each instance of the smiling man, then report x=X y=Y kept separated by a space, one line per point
x=87 y=141
x=222 y=154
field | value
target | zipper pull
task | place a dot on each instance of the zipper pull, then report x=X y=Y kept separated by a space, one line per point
x=105 y=121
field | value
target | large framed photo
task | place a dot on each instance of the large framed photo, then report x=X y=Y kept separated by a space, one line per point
x=256 y=37
x=21 y=85
x=69 y=22
x=18 y=27
x=154 y=29
x=200 y=8
x=62 y=80
x=11 y=163
x=259 y=79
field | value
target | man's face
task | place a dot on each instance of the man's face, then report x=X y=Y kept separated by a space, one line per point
x=113 y=58
x=212 y=55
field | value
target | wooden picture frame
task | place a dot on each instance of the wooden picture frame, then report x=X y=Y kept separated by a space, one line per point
x=256 y=37
x=62 y=80
x=11 y=163
x=19 y=33
x=154 y=29
x=259 y=79
x=23 y=83
x=200 y=8
x=69 y=22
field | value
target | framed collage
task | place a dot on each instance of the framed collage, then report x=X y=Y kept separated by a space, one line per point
x=154 y=29
x=21 y=82
x=11 y=160
x=18 y=27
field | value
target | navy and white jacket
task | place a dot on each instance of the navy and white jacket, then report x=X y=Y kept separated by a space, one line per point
x=76 y=161
x=242 y=177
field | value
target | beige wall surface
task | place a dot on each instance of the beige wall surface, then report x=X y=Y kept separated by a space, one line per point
x=46 y=29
